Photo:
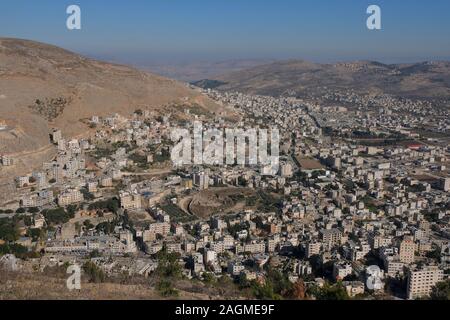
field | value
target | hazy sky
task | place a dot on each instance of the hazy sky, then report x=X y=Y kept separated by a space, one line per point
x=320 y=30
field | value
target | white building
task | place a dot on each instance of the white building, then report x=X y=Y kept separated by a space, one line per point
x=69 y=197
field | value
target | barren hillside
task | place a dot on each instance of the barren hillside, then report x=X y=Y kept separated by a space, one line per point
x=426 y=80
x=42 y=87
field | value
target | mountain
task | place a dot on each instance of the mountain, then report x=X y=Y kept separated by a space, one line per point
x=193 y=71
x=44 y=87
x=422 y=80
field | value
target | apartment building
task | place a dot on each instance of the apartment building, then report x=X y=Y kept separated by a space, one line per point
x=161 y=228
x=407 y=250
x=421 y=281
x=332 y=237
x=313 y=248
x=69 y=197
x=130 y=201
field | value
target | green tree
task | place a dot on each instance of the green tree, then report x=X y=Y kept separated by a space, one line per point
x=168 y=265
x=88 y=225
x=209 y=278
x=33 y=210
x=95 y=274
x=94 y=254
x=35 y=234
x=13 y=248
x=264 y=291
x=166 y=289
x=441 y=291
x=8 y=230
x=330 y=292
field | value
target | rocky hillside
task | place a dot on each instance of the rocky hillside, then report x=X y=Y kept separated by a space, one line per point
x=43 y=86
x=421 y=80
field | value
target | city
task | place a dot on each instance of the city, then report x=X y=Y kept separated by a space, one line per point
x=224 y=158
x=361 y=187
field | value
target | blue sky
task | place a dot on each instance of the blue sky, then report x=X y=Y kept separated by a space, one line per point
x=319 y=30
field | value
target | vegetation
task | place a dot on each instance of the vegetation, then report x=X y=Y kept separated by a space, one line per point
x=57 y=216
x=330 y=292
x=369 y=204
x=166 y=289
x=164 y=156
x=176 y=214
x=95 y=254
x=269 y=203
x=139 y=160
x=235 y=229
x=168 y=266
x=441 y=291
x=36 y=234
x=431 y=216
x=87 y=195
x=106 y=227
x=13 y=248
x=88 y=225
x=8 y=230
x=298 y=290
x=435 y=254
x=50 y=108
x=21 y=210
x=95 y=274
x=168 y=271
x=112 y=205
x=275 y=287
x=264 y=291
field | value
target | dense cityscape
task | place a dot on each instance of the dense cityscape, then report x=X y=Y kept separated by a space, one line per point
x=359 y=208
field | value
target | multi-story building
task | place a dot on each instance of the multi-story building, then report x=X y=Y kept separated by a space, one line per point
x=130 y=201
x=331 y=237
x=161 y=228
x=378 y=241
x=421 y=281
x=255 y=247
x=444 y=184
x=235 y=268
x=407 y=250
x=7 y=161
x=201 y=180
x=23 y=181
x=313 y=248
x=341 y=270
x=70 y=196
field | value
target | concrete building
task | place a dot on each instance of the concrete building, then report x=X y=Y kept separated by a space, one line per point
x=341 y=270
x=407 y=250
x=6 y=161
x=130 y=201
x=421 y=281
x=332 y=237
x=312 y=248
x=70 y=196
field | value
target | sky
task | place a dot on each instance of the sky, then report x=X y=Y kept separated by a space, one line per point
x=192 y=30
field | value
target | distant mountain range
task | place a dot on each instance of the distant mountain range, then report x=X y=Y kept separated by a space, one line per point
x=193 y=71
x=421 y=80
